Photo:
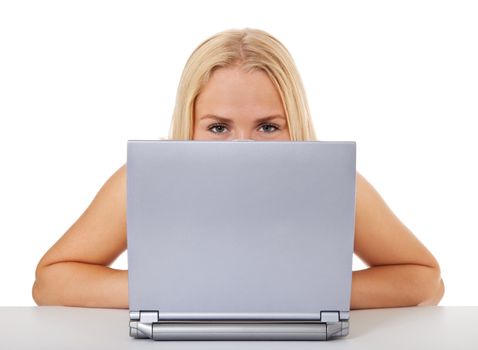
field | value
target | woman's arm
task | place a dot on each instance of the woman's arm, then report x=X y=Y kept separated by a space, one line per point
x=402 y=271
x=74 y=271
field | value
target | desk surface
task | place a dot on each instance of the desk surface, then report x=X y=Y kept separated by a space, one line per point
x=431 y=327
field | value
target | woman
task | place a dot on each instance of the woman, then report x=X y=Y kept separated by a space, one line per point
x=238 y=84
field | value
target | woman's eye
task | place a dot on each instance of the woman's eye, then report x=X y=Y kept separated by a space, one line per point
x=215 y=126
x=270 y=125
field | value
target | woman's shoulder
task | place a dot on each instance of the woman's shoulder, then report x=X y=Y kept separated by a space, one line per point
x=121 y=172
x=117 y=179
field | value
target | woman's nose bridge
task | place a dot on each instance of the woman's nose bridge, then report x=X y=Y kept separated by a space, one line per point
x=242 y=134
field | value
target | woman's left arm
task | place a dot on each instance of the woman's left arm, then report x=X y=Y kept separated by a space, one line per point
x=402 y=271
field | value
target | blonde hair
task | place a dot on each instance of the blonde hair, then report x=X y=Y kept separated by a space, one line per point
x=250 y=49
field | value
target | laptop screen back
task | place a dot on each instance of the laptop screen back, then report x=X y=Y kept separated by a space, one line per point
x=240 y=227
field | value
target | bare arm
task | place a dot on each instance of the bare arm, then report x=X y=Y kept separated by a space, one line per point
x=74 y=271
x=402 y=271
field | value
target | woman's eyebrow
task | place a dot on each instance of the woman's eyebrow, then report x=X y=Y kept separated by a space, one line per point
x=225 y=120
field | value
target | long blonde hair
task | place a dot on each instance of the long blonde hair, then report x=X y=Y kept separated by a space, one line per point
x=250 y=49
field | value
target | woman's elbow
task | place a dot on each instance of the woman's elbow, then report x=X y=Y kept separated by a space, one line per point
x=40 y=287
x=440 y=291
x=36 y=295
x=436 y=289
x=37 y=292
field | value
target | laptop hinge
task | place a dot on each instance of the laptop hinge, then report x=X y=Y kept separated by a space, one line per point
x=334 y=316
x=141 y=323
x=337 y=323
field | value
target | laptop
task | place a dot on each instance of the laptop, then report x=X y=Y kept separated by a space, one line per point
x=232 y=240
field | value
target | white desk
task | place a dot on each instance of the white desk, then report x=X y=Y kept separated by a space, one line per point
x=434 y=327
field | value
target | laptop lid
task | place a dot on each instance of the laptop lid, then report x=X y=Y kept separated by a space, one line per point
x=240 y=230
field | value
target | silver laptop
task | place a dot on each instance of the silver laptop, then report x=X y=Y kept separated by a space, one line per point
x=232 y=240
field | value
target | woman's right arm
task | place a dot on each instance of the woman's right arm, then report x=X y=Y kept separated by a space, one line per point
x=74 y=271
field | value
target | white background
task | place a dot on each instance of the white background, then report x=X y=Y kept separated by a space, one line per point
x=79 y=78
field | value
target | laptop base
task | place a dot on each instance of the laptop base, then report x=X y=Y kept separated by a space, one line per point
x=150 y=327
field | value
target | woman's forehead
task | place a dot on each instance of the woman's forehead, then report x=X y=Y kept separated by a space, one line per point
x=233 y=89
